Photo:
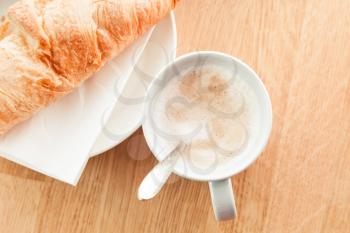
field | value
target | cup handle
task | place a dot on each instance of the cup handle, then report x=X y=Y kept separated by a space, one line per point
x=222 y=199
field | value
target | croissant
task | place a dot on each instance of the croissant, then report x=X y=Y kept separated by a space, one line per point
x=50 y=47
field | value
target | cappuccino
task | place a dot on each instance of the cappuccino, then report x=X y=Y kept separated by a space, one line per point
x=210 y=109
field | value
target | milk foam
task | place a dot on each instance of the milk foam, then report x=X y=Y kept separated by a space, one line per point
x=213 y=111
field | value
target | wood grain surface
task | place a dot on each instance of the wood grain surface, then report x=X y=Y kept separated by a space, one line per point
x=301 y=183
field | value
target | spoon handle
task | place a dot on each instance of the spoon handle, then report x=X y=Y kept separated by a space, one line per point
x=155 y=180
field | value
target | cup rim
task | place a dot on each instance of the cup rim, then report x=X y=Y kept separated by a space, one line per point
x=262 y=143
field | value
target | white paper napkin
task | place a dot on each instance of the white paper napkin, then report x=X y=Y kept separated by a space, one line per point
x=57 y=141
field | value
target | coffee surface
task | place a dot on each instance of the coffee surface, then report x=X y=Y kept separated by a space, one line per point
x=210 y=109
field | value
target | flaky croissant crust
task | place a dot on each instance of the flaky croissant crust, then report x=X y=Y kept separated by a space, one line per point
x=49 y=47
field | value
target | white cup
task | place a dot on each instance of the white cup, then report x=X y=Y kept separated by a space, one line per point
x=219 y=175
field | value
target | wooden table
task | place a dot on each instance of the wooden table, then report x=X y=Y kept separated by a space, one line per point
x=301 y=183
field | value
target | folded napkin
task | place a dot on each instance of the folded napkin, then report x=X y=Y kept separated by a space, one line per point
x=57 y=141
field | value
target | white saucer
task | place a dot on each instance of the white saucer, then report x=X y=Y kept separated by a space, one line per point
x=127 y=115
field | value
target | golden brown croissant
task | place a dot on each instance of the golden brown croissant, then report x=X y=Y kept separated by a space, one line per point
x=49 y=47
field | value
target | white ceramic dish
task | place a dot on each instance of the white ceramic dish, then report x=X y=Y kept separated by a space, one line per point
x=127 y=115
